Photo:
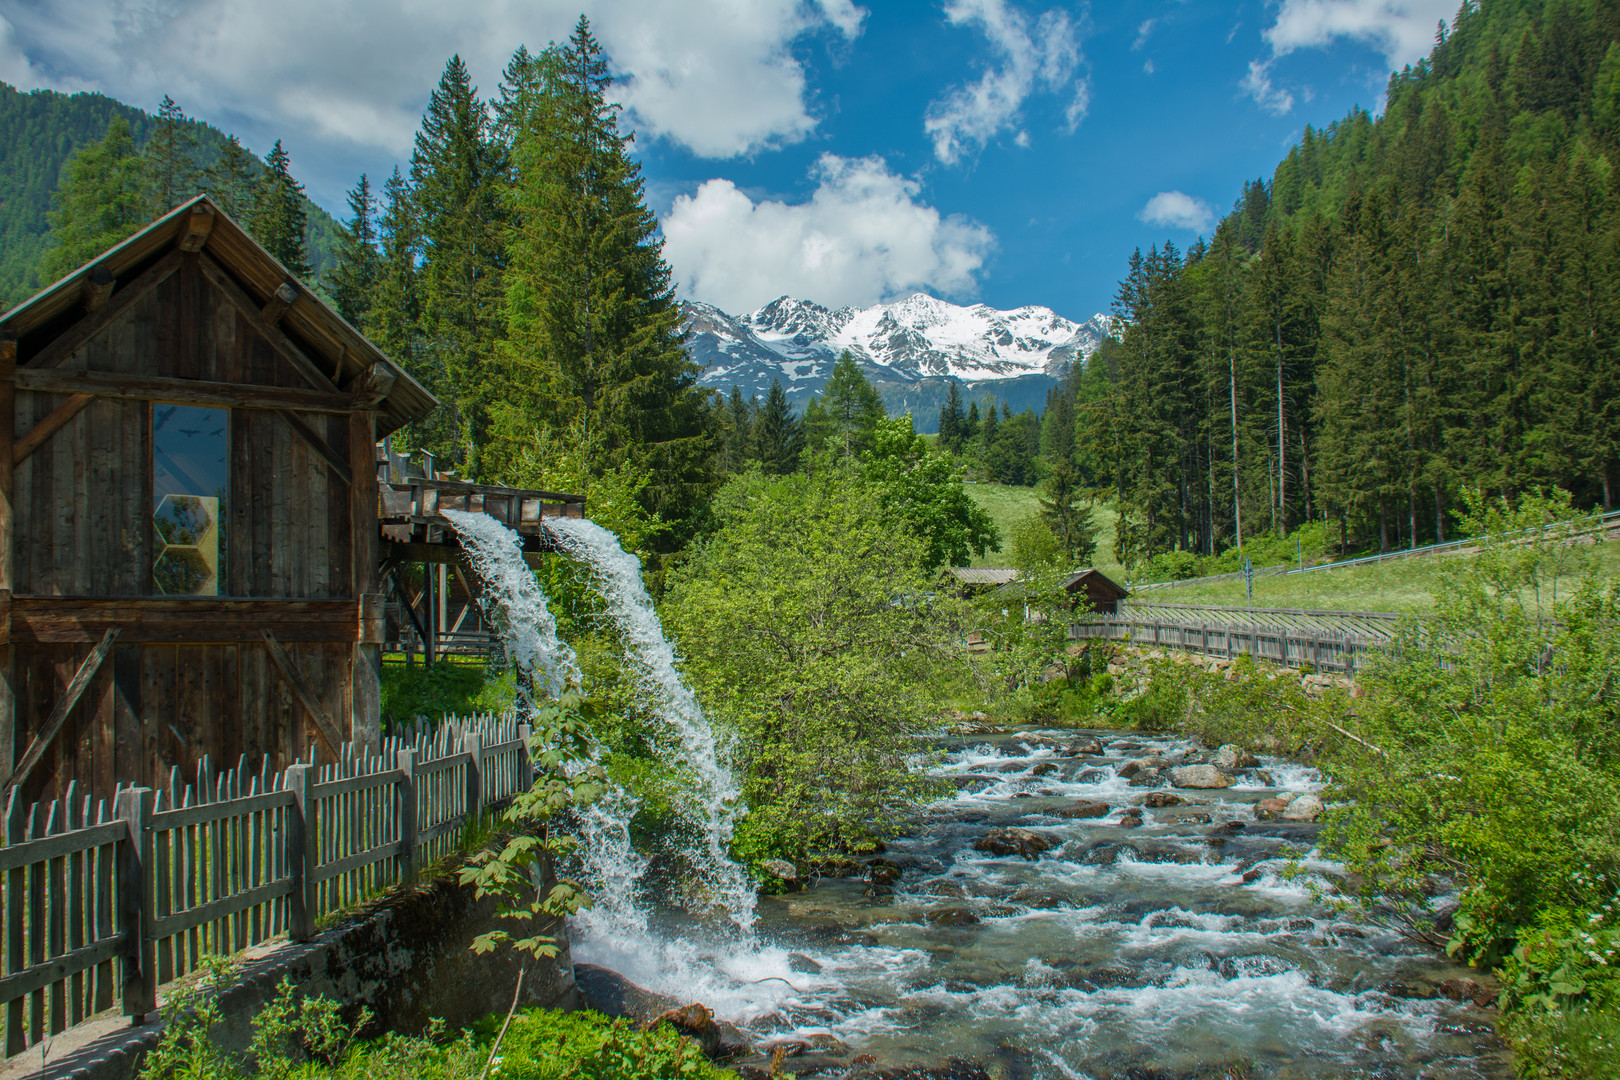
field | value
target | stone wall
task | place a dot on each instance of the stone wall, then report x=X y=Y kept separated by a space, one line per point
x=406 y=957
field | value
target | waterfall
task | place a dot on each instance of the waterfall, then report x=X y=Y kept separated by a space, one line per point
x=519 y=613
x=713 y=812
x=528 y=632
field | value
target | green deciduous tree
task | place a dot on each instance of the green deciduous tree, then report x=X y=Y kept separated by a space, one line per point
x=807 y=631
x=920 y=487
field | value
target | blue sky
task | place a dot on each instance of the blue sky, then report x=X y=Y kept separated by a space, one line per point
x=1005 y=151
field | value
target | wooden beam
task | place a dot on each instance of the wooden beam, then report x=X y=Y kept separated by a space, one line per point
x=192 y=620
x=333 y=459
x=277 y=339
x=305 y=693
x=279 y=302
x=50 y=425
x=198 y=226
x=366 y=699
x=445 y=553
x=8 y=418
x=53 y=723
x=97 y=287
x=373 y=384
x=74 y=338
x=184 y=391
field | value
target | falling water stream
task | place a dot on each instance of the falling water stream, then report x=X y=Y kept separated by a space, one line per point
x=1173 y=942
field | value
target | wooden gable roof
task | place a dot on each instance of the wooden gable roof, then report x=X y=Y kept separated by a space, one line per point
x=1098 y=585
x=308 y=333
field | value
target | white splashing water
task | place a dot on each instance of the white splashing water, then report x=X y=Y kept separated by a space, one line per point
x=519 y=614
x=713 y=811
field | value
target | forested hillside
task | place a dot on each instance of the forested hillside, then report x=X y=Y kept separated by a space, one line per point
x=1414 y=304
x=39 y=132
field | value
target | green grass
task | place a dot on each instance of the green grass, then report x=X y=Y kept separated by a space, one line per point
x=1400 y=585
x=457 y=686
x=1006 y=505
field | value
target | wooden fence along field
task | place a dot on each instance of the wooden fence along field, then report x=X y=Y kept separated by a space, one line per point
x=105 y=902
x=1292 y=637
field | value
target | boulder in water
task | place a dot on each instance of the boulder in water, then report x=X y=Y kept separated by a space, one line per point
x=1091 y=776
x=784 y=872
x=1092 y=746
x=1131 y=818
x=1271 y=809
x=1468 y=990
x=950 y=916
x=1014 y=841
x=1232 y=757
x=1184 y=817
x=1304 y=808
x=1146 y=778
x=1200 y=776
x=1045 y=768
x=1161 y=799
x=1083 y=808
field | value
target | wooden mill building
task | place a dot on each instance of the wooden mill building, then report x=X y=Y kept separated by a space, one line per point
x=191 y=520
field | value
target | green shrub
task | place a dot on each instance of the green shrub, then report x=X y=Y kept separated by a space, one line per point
x=545 y=1044
x=456 y=687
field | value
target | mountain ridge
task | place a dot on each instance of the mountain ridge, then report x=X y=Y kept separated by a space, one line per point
x=911 y=349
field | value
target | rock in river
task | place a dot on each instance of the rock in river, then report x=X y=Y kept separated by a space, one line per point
x=1232 y=757
x=1200 y=776
x=1013 y=841
x=1304 y=808
x=783 y=871
x=1083 y=808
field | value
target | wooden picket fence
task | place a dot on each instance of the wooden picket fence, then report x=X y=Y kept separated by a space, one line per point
x=107 y=900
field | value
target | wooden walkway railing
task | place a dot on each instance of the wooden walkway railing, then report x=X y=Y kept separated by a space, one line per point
x=105 y=902
x=1292 y=643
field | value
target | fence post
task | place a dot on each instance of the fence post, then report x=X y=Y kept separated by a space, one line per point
x=303 y=855
x=474 y=745
x=405 y=762
x=134 y=806
x=525 y=759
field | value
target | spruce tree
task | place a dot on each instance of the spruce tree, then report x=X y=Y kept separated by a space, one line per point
x=778 y=436
x=170 y=158
x=951 y=419
x=230 y=179
x=353 y=282
x=458 y=179
x=278 y=218
x=100 y=201
x=848 y=411
x=1065 y=509
x=592 y=330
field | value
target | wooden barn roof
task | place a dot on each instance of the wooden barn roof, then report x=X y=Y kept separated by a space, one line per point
x=983 y=575
x=199 y=225
x=1096 y=582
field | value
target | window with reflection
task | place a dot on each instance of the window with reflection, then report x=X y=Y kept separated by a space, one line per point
x=190 y=452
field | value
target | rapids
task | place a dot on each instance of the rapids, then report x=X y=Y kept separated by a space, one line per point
x=1173 y=949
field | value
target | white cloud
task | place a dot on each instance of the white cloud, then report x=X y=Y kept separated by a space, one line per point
x=1402 y=29
x=861 y=237
x=1257 y=84
x=1142 y=33
x=712 y=75
x=1042 y=56
x=1177 y=210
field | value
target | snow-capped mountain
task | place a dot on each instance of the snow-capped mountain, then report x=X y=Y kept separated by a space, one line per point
x=909 y=349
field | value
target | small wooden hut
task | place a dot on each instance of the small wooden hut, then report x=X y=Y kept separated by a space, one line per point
x=190 y=537
x=1097 y=590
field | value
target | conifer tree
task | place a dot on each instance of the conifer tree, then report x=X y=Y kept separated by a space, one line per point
x=591 y=321
x=170 y=158
x=278 y=218
x=230 y=179
x=353 y=282
x=952 y=419
x=100 y=201
x=847 y=411
x=458 y=178
x=778 y=436
x=1065 y=510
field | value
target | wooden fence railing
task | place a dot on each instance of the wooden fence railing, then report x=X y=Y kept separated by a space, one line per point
x=104 y=902
x=1322 y=648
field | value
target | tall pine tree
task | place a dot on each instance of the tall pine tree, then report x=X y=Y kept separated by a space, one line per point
x=278 y=218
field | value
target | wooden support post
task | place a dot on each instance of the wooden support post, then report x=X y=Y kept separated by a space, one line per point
x=134 y=806
x=366 y=723
x=303 y=854
x=8 y=417
x=15 y=883
x=97 y=287
x=526 y=770
x=59 y=714
x=405 y=762
x=474 y=746
x=430 y=604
